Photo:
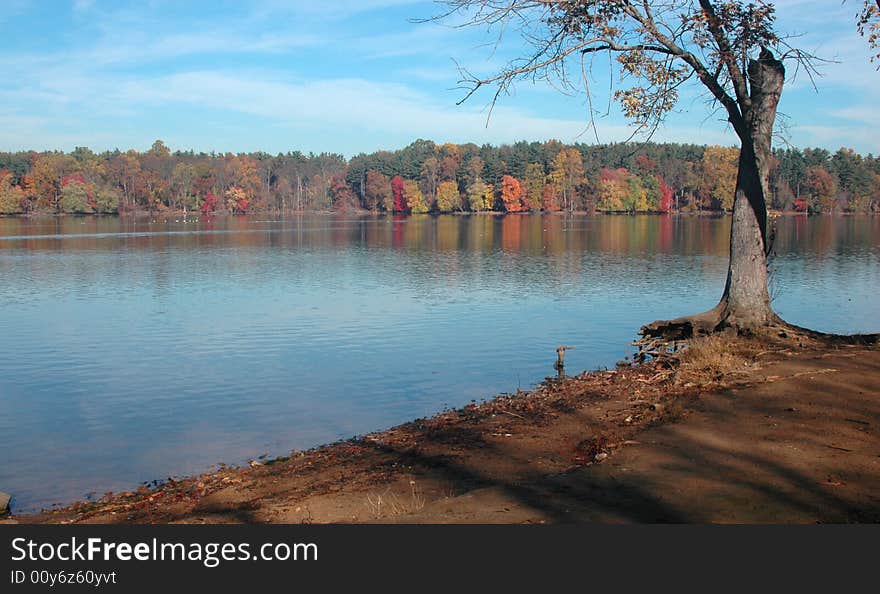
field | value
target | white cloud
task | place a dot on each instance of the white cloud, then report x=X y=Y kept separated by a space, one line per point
x=141 y=67
x=859 y=137
x=865 y=115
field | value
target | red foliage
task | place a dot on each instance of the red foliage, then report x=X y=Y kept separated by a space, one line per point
x=241 y=205
x=400 y=204
x=512 y=194
x=646 y=164
x=666 y=196
x=800 y=205
x=344 y=197
x=73 y=178
x=617 y=176
x=209 y=205
x=549 y=198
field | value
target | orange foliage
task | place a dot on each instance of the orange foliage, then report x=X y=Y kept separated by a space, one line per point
x=512 y=194
x=549 y=198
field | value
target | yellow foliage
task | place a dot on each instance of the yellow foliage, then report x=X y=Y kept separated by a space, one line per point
x=720 y=166
x=448 y=198
x=414 y=197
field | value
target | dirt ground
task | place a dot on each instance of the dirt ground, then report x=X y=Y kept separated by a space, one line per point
x=738 y=431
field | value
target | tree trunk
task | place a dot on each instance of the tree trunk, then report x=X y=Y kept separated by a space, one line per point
x=745 y=303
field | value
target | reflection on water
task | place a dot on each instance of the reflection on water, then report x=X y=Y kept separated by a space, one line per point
x=135 y=350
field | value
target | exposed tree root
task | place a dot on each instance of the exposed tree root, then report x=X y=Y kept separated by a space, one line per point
x=663 y=338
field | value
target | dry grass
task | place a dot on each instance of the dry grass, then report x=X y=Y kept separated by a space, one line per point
x=716 y=359
x=390 y=503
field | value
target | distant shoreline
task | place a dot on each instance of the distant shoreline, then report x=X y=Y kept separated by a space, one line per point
x=382 y=214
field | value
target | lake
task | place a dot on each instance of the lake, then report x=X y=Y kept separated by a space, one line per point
x=135 y=350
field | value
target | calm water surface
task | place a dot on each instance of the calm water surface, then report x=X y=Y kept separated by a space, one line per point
x=136 y=350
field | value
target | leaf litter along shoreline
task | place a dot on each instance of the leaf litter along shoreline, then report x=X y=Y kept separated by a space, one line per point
x=735 y=430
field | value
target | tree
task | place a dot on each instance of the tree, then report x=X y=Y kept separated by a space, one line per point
x=430 y=178
x=377 y=191
x=666 y=196
x=343 y=196
x=718 y=182
x=567 y=174
x=415 y=200
x=868 y=23
x=821 y=188
x=76 y=196
x=512 y=194
x=11 y=196
x=481 y=196
x=47 y=172
x=474 y=170
x=237 y=200
x=534 y=180
x=183 y=184
x=243 y=171
x=613 y=189
x=448 y=198
x=549 y=199
x=210 y=203
x=107 y=201
x=728 y=46
x=397 y=189
x=636 y=195
x=125 y=170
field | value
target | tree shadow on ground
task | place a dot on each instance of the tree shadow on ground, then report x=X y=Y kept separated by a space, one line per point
x=737 y=459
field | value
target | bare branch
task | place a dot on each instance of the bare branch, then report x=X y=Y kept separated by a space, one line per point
x=727 y=57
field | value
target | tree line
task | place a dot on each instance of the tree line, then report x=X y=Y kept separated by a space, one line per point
x=427 y=177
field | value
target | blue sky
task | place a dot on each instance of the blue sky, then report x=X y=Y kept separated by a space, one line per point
x=346 y=76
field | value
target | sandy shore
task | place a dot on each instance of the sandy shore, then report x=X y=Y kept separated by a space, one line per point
x=738 y=431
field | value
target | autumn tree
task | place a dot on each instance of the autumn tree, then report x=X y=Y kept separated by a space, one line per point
x=480 y=195
x=533 y=181
x=377 y=191
x=243 y=173
x=397 y=189
x=566 y=175
x=636 y=194
x=342 y=194
x=11 y=196
x=474 y=170
x=550 y=199
x=449 y=166
x=430 y=178
x=613 y=189
x=448 y=198
x=125 y=170
x=183 y=179
x=821 y=188
x=107 y=200
x=666 y=196
x=512 y=194
x=718 y=182
x=415 y=200
x=237 y=199
x=44 y=181
x=157 y=166
x=76 y=195
x=730 y=47
x=209 y=203
x=868 y=23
